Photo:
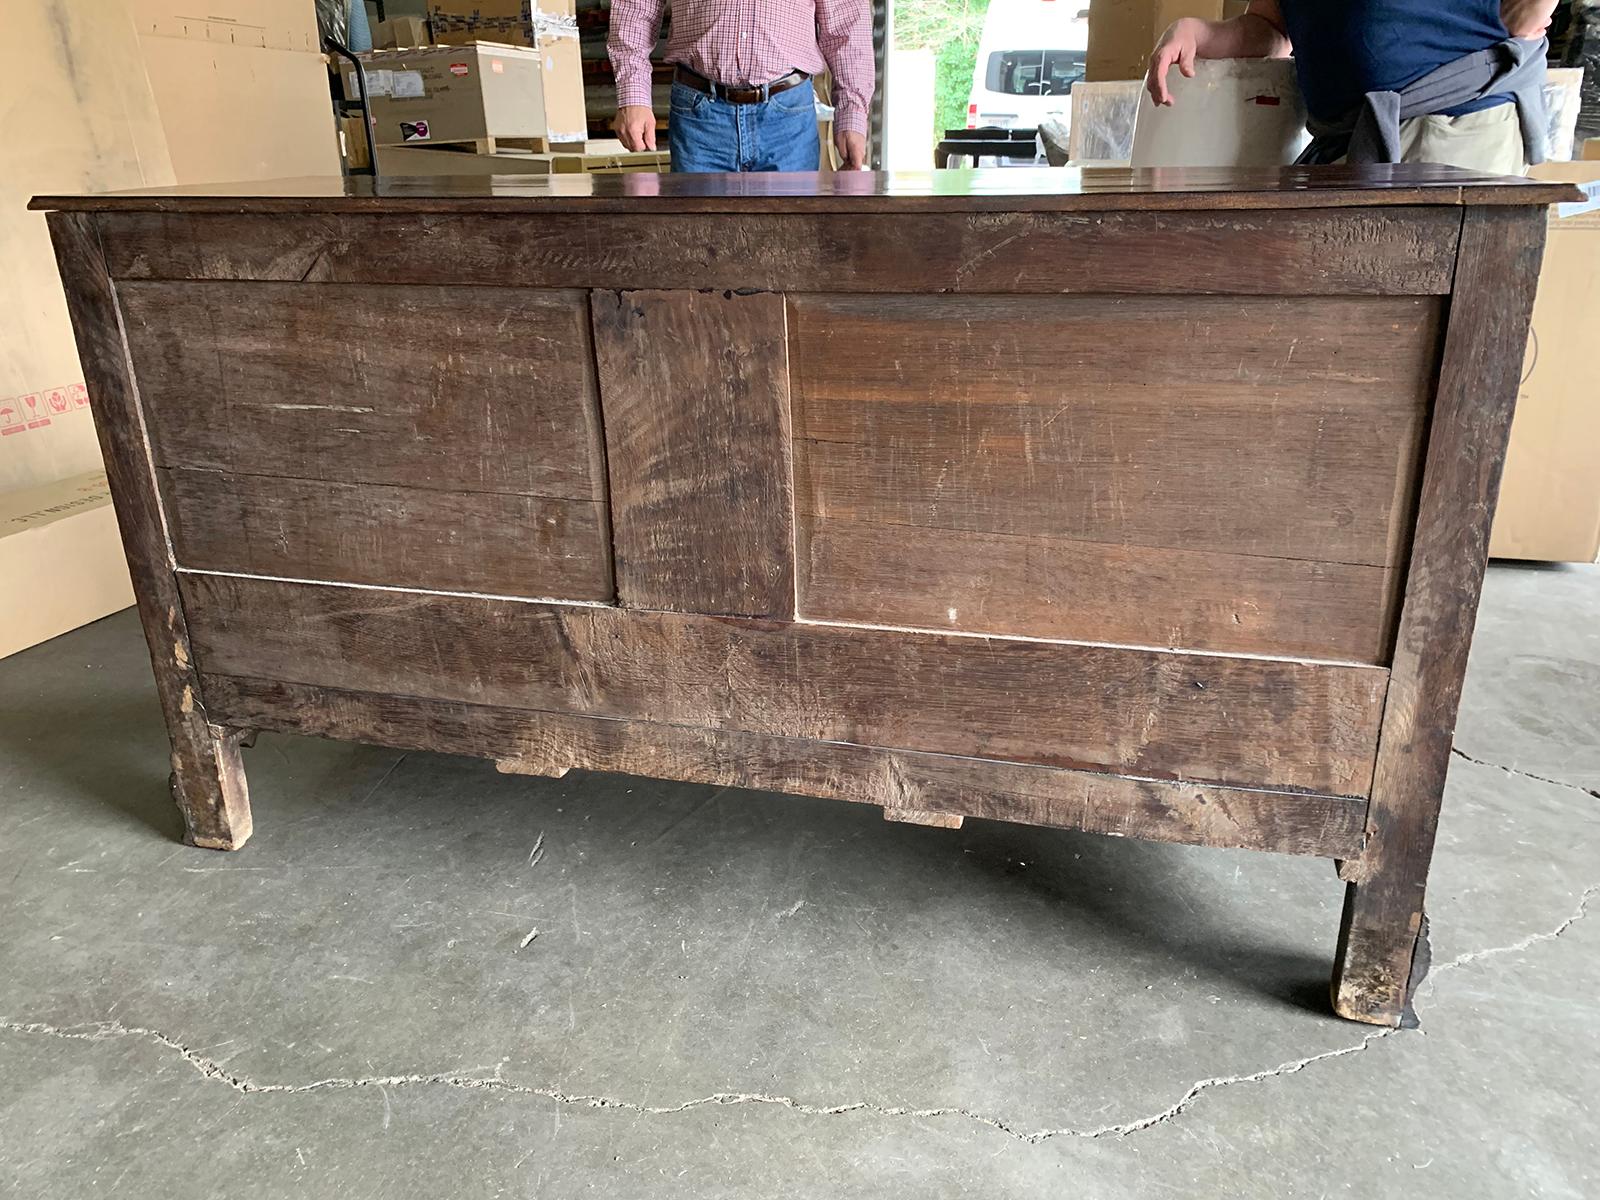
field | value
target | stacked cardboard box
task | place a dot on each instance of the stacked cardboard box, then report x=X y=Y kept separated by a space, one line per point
x=242 y=91
x=400 y=33
x=519 y=22
x=1122 y=32
x=548 y=26
x=476 y=92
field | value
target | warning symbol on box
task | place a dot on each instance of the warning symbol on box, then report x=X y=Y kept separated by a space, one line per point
x=56 y=398
x=79 y=395
x=33 y=411
x=11 y=417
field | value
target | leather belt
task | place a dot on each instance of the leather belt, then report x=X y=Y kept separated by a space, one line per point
x=738 y=93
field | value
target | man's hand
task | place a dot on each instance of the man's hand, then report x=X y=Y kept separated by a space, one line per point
x=1257 y=33
x=1528 y=18
x=1178 y=44
x=852 y=150
x=636 y=126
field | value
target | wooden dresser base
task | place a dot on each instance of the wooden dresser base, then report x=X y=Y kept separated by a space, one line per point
x=1156 y=508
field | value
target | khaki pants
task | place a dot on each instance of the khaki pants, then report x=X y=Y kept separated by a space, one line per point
x=1489 y=140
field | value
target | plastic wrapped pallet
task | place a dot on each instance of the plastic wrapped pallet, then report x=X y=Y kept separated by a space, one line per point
x=1583 y=52
x=1563 y=95
x=1103 y=115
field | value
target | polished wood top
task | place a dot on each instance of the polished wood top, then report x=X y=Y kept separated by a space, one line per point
x=1037 y=189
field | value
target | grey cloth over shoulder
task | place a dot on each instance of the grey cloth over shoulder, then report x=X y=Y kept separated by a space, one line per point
x=1371 y=132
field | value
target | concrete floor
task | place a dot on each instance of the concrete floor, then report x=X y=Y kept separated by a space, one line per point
x=732 y=995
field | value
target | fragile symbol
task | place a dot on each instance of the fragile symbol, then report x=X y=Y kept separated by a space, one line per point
x=31 y=411
x=56 y=398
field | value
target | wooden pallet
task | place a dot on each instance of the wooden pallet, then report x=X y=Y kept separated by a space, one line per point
x=605 y=155
x=491 y=145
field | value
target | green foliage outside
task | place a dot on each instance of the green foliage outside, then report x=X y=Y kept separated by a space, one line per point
x=951 y=29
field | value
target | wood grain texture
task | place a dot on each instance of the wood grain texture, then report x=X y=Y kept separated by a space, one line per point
x=392 y=536
x=1035 y=586
x=1244 y=467
x=467 y=389
x=545 y=743
x=695 y=389
x=1483 y=354
x=208 y=780
x=1400 y=251
x=1073 y=417
x=1278 y=724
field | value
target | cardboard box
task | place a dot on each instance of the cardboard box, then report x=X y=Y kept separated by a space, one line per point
x=1549 y=506
x=1590 y=151
x=517 y=22
x=474 y=92
x=353 y=143
x=61 y=561
x=261 y=24
x=235 y=112
x=79 y=117
x=1123 y=32
x=399 y=33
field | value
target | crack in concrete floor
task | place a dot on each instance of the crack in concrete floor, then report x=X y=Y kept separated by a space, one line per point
x=1592 y=793
x=108 y=1030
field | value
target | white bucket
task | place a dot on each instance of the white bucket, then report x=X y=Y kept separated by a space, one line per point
x=1235 y=112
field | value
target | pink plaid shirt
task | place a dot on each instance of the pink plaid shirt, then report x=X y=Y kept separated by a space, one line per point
x=750 y=41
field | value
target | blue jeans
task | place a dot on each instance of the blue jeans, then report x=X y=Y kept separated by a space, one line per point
x=712 y=135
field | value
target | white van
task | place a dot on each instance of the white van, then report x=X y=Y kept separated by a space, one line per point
x=1030 y=55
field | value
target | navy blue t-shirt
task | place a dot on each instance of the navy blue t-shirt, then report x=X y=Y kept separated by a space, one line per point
x=1344 y=49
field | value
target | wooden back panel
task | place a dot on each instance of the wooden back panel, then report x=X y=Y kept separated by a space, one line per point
x=1211 y=473
x=1156 y=715
x=432 y=437
x=1097 y=531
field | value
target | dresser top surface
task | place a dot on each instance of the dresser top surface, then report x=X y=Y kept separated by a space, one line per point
x=1026 y=189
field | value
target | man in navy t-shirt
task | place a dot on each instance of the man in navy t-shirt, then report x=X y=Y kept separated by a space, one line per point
x=1346 y=50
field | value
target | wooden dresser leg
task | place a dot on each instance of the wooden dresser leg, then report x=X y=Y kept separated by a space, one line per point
x=209 y=785
x=207 y=776
x=1372 y=973
x=1497 y=266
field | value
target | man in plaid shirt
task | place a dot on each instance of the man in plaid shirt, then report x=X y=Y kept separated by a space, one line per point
x=741 y=90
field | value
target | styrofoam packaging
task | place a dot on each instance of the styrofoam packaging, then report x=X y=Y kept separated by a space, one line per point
x=1235 y=112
